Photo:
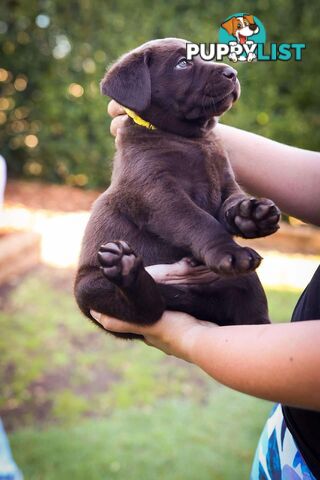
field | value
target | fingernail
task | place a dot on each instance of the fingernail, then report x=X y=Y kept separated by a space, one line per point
x=95 y=315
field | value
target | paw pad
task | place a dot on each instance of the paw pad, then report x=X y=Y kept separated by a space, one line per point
x=119 y=263
x=253 y=218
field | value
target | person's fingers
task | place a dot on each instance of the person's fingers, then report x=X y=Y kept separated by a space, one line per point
x=181 y=272
x=116 y=123
x=115 y=109
x=114 y=324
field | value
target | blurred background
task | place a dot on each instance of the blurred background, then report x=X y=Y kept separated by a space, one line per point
x=77 y=403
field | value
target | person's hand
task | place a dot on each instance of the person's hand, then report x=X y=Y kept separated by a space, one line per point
x=175 y=333
x=116 y=111
x=187 y=272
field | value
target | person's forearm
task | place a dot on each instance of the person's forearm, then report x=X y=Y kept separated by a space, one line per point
x=277 y=362
x=289 y=176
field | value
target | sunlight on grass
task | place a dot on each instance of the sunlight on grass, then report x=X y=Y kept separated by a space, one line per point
x=281 y=303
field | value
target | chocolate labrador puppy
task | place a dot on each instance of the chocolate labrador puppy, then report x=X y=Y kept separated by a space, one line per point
x=172 y=194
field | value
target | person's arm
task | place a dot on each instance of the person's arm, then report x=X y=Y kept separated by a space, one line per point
x=277 y=362
x=288 y=175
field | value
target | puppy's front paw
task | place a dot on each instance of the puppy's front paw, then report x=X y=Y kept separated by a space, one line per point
x=119 y=263
x=233 y=260
x=253 y=218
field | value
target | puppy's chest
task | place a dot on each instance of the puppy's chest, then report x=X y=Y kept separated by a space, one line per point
x=195 y=166
x=199 y=176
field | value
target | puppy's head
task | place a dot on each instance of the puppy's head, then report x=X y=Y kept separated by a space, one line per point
x=158 y=82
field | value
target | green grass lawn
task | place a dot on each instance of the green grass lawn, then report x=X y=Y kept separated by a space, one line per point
x=174 y=439
x=80 y=404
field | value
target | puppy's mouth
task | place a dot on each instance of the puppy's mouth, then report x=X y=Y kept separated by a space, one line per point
x=220 y=104
x=242 y=38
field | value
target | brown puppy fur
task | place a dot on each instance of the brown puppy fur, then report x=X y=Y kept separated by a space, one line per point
x=173 y=194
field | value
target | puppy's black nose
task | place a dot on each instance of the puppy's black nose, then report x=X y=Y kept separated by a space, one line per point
x=230 y=73
x=253 y=26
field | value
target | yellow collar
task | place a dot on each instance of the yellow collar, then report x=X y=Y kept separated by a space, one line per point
x=138 y=120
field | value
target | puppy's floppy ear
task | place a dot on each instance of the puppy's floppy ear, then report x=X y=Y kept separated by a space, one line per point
x=128 y=81
x=249 y=18
x=228 y=25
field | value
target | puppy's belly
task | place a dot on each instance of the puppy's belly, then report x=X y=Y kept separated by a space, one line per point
x=227 y=301
x=149 y=246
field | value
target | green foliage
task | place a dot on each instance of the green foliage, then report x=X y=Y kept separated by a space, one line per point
x=52 y=93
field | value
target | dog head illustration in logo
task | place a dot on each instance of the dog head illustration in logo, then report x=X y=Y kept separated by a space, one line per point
x=241 y=27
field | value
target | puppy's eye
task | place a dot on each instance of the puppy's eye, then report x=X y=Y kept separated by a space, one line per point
x=239 y=25
x=183 y=63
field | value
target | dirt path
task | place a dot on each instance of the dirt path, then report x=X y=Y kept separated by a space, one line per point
x=40 y=196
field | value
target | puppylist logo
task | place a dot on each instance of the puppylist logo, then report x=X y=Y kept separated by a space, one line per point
x=242 y=38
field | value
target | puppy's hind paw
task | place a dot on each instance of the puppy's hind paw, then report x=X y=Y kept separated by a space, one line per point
x=119 y=264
